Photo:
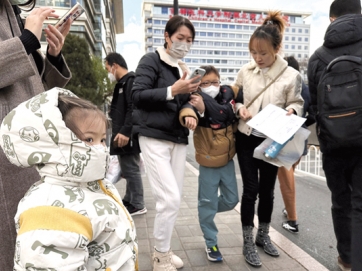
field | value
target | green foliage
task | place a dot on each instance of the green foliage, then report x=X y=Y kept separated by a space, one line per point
x=89 y=77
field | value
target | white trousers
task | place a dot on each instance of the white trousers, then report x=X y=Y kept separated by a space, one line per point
x=165 y=168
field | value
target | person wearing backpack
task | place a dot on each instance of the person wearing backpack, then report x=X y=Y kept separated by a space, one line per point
x=122 y=143
x=337 y=101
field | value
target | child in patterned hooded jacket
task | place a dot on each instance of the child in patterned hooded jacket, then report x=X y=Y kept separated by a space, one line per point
x=72 y=219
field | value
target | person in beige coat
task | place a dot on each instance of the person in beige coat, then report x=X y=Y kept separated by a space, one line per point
x=284 y=91
x=24 y=73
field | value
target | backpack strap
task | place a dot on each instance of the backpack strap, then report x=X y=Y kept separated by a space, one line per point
x=324 y=55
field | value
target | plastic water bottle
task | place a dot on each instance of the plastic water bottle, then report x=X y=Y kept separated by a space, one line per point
x=273 y=150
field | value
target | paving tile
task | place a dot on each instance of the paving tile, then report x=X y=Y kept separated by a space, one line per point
x=188 y=242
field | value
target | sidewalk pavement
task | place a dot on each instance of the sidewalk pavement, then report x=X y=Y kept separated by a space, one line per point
x=188 y=242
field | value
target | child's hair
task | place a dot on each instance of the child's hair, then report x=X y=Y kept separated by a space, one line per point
x=210 y=69
x=74 y=107
x=271 y=30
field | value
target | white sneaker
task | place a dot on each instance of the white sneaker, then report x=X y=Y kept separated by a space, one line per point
x=178 y=263
x=163 y=261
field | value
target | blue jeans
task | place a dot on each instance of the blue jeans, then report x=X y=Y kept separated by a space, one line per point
x=131 y=172
x=210 y=203
x=344 y=180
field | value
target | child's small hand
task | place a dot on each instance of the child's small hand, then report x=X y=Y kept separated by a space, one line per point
x=190 y=123
x=197 y=102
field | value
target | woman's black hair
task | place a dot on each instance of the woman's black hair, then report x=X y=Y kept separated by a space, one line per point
x=175 y=23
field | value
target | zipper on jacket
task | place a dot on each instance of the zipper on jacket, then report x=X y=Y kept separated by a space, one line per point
x=342 y=115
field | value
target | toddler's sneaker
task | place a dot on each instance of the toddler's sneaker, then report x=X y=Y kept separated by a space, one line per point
x=163 y=261
x=213 y=254
x=291 y=226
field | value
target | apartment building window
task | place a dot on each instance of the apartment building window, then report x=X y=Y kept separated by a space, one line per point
x=202 y=43
x=231 y=53
x=210 y=61
x=306 y=39
x=217 y=34
x=164 y=10
x=164 y=22
x=225 y=26
x=195 y=24
x=224 y=61
x=209 y=52
x=239 y=36
x=293 y=47
x=246 y=36
x=157 y=21
x=210 y=34
x=231 y=70
x=225 y=35
x=293 y=30
x=293 y=38
x=224 y=70
x=245 y=27
x=238 y=53
x=156 y=31
x=224 y=53
x=300 y=30
x=149 y=30
x=210 y=43
x=300 y=39
x=216 y=52
x=299 y=47
x=202 y=60
x=306 y=31
x=202 y=34
x=239 y=44
x=239 y=27
x=245 y=53
x=202 y=25
x=149 y=21
x=299 y=56
x=217 y=43
x=195 y=60
x=231 y=26
x=287 y=29
x=286 y=46
x=195 y=52
x=286 y=38
x=305 y=47
x=231 y=44
x=217 y=61
x=217 y=25
x=157 y=41
x=224 y=44
x=202 y=52
x=232 y=36
x=210 y=25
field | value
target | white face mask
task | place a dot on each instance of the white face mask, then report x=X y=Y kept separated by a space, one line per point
x=211 y=91
x=99 y=147
x=111 y=77
x=18 y=2
x=179 y=49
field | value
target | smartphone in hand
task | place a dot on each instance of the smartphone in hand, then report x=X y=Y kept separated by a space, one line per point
x=72 y=15
x=197 y=71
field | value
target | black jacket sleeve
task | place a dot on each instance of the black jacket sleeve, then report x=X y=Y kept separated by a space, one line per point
x=126 y=129
x=144 y=95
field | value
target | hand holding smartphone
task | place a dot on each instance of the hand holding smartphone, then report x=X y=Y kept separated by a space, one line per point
x=72 y=15
x=197 y=71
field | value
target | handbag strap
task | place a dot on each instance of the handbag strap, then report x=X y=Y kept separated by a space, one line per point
x=264 y=89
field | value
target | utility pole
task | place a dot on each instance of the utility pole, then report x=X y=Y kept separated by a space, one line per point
x=175 y=7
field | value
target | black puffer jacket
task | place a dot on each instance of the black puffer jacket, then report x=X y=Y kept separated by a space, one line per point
x=153 y=115
x=343 y=37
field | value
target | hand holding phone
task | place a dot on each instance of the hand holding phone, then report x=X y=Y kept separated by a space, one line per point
x=72 y=15
x=197 y=71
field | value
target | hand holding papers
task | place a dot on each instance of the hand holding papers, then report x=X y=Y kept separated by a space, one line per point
x=273 y=122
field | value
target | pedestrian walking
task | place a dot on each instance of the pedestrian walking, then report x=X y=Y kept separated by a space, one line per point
x=215 y=148
x=341 y=147
x=24 y=73
x=123 y=144
x=285 y=176
x=160 y=89
x=72 y=219
x=266 y=79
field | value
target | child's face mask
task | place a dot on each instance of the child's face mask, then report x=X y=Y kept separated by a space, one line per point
x=211 y=91
x=18 y=2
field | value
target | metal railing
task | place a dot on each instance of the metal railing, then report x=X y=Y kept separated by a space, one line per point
x=311 y=164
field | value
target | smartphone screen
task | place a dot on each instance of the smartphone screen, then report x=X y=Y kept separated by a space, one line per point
x=72 y=15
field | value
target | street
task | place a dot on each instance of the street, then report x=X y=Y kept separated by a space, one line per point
x=316 y=236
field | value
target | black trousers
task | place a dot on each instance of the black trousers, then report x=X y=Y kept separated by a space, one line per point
x=258 y=179
x=344 y=179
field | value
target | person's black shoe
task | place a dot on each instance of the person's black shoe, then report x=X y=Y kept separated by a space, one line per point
x=135 y=211
x=291 y=226
x=126 y=203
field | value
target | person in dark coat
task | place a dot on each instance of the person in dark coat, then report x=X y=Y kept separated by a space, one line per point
x=122 y=142
x=343 y=168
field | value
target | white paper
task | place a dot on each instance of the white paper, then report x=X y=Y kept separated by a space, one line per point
x=273 y=122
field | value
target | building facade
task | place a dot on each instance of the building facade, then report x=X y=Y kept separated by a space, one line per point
x=98 y=25
x=223 y=33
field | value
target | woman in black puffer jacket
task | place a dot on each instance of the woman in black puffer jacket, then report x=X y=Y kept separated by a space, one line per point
x=159 y=91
